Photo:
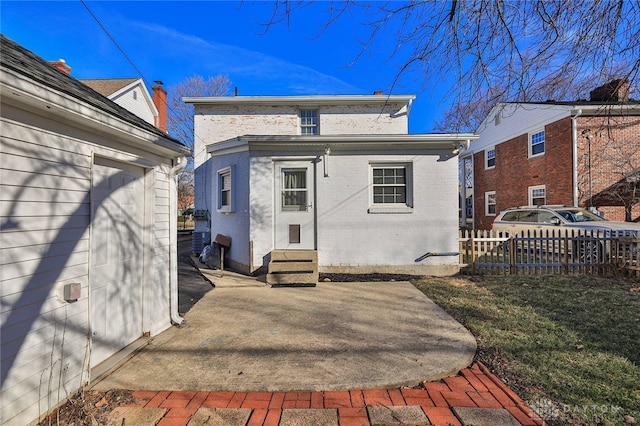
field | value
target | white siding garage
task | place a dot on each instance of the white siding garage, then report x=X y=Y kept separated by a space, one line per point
x=87 y=233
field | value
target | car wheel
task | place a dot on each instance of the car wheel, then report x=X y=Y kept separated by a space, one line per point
x=590 y=252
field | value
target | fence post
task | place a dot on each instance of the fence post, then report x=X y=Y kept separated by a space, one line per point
x=565 y=254
x=473 y=252
x=512 y=255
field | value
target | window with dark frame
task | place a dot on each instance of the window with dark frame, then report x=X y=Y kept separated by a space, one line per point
x=389 y=185
x=309 y=122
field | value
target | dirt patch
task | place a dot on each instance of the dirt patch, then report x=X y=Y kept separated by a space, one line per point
x=89 y=408
x=340 y=278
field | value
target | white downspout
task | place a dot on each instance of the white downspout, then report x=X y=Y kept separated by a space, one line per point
x=574 y=137
x=173 y=242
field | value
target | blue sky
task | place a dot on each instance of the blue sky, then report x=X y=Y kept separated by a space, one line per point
x=170 y=41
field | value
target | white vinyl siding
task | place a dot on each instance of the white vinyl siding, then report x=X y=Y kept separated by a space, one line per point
x=136 y=99
x=45 y=218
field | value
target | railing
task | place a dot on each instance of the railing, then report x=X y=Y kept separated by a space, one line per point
x=549 y=252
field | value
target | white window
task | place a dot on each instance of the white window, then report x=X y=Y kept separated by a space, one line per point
x=309 y=122
x=536 y=143
x=391 y=187
x=537 y=195
x=225 y=190
x=490 y=203
x=490 y=158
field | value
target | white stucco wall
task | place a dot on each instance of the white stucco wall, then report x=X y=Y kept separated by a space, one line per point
x=45 y=217
x=219 y=123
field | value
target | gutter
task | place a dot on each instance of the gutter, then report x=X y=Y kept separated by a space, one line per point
x=574 y=143
x=462 y=147
x=173 y=243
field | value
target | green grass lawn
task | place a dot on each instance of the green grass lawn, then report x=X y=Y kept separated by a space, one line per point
x=569 y=346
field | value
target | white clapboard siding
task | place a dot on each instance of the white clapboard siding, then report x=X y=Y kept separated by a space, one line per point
x=41 y=180
x=52 y=158
x=50 y=263
x=46 y=167
x=27 y=238
x=27 y=208
x=36 y=282
x=39 y=250
x=43 y=195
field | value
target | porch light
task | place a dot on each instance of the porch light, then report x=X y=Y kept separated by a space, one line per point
x=327 y=153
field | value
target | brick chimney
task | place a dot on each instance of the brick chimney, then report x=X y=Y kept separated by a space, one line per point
x=160 y=101
x=61 y=65
x=613 y=91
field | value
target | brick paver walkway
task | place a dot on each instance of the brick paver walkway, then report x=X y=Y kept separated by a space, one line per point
x=474 y=387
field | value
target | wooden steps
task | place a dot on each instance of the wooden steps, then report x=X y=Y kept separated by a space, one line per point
x=291 y=268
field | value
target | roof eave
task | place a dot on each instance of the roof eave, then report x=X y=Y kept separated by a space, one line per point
x=19 y=89
x=343 y=142
x=299 y=100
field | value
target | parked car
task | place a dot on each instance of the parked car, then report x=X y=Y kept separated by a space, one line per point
x=520 y=220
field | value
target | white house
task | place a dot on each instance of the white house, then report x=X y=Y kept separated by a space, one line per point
x=132 y=94
x=87 y=233
x=337 y=175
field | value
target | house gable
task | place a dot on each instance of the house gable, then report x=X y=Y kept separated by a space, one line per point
x=129 y=93
x=574 y=136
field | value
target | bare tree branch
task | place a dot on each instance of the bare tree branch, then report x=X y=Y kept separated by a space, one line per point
x=497 y=43
x=180 y=117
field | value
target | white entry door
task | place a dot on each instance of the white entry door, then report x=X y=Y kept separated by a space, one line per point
x=294 y=198
x=115 y=283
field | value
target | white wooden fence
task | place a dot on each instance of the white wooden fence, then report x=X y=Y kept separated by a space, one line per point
x=556 y=252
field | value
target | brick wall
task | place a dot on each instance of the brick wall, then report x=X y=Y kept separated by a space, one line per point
x=218 y=123
x=608 y=147
x=515 y=172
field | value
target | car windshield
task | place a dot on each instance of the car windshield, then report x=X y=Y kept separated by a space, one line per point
x=579 y=216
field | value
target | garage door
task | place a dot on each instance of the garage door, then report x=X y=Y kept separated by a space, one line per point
x=115 y=278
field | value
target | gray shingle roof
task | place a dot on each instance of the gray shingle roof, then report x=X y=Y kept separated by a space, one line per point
x=25 y=62
x=107 y=86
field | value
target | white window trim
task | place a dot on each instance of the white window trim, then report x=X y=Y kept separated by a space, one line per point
x=486 y=158
x=230 y=171
x=533 y=188
x=487 y=204
x=390 y=208
x=305 y=126
x=530 y=142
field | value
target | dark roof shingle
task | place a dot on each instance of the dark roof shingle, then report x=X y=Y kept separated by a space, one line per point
x=25 y=62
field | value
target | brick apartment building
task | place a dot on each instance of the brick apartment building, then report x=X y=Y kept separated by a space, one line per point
x=584 y=153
